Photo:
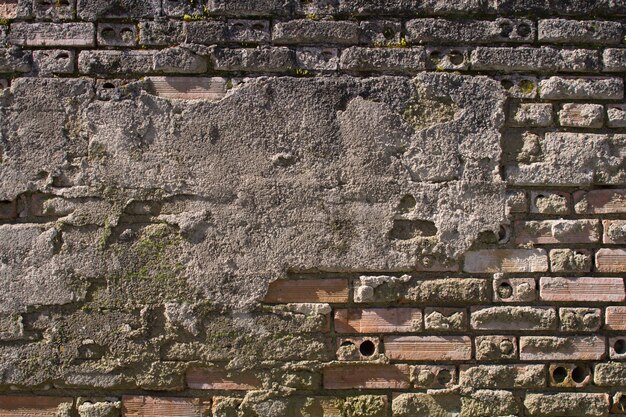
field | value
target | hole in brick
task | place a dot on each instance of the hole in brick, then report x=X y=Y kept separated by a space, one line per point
x=620 y=346
x=107 y=34
x=108 y=86
x=579 y=374
x=526 y=85
x=409 y=229
x=258 y=26
x=435 y=56
x=326 y=56
x=503 y=234
x=367 y=348
x=506 y=347
x=505 y=29
x=507 y=84
x=407 y=204
x=444 y=376
x=505 y=290
x=559 y=374
x=63 y=55
x=238 y=25
x=523 y=30
x=389 y=33
x=456 y=57
x=346 y=343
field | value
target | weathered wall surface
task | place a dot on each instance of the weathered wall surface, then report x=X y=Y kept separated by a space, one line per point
x=339 y=208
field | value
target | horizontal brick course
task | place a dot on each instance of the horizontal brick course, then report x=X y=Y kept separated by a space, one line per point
x=611 y=260
x=220 y=379
x=29 y=406
x=146 y=406
x=428 y=348
x=615 y=318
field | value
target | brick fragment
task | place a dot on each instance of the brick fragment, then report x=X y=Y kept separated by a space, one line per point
x=600 y=201
x=611 y=260
x=518 y=86
x=423 y=348
x=12 y=60
x=503 y=376
x=582 y=115
x=116 y=62
x=614 y=59
x=161 y=33
x=368 y=376
x=514 y=290
x=318 y=59
x=513 y=318
x=582 y=289
x=614 y=231
x=489 y=403
x=53 y=34
x=447 y=291
x=179 y=60
x=587 y=88
x=535 y=59
x=249 y=8
x=116 y=34
x=92 y=10
x=530 y=114
x=617 y=348
x=433 y=376
x=48 y=62
x=30 y=406
x=580 y=319
x=380 y=33
x=584 y=32
x=557 y=231
x=220 y=379
x=550 y=202
x=506 y=260
x=9 y=9
x=378 y=320
x=616 y=115
x=445 y=319
x=552 y=348
x=189 y=88
x=496 y=348
x=615 y=318
x=358 y=348
x=567 y=403
x=145 y=406
x=569 y=260
x=308 y=291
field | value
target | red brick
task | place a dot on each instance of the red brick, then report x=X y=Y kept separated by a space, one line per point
x=220 y=379
x=31 y=406
x=614 y=231
x=611 y=260
x=506 y=260
x=144 y=406
x=308 y=291
x=600 y=201
x=189 y=88
x=8 y=9
x=552 y=348
x=615 y=318
x=378 y=320
x=368 y=376
x=582 y=289
x=557 y=231
x=426 y=348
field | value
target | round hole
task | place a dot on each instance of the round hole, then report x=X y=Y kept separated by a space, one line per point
x=579 y=374
x=456 y=57
x=63 y=55
x=435 y=56
x=258 y=26
x=505 y=29
x=389 y=33
x=506 y=347
x=559 y=374
x=327 y=55
x=444 y=376
x=238 y=25
x=108 y=86
x=507 y=84
x=503 y=234
x=107 y=33
x=367 y=348
x=524 y=30
x=620 y=346
x=505 y=290
x=526 y=86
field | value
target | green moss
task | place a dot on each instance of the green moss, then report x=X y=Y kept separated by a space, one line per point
x=192 y=17
x=104 y=235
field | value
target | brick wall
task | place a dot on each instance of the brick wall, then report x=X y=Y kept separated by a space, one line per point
x=129 y=288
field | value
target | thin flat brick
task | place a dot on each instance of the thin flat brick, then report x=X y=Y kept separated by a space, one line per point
x=600 y=201
x=31 y=406
x=305 y=31
x=506 y=260
x=611 y=260
x=535 y=59
x=53 y=34
x=367 y=376
x=189 y=88
x=432 y=30
x=558 y=231
x=615 y=318
x=145 y=406
x=424 y=348
x=584 y=32
x=378 y=320
x=582 y=289
x=219 y=379
x=552 y=348
x=394 y=60
x=308 y=291
x=591 y=88
x=513 y=318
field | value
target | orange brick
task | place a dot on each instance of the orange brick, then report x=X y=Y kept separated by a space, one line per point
x=369 y=376
x=189 y=88
x=378 y=320
x=31 y=406
x=506 y=260
x=428 y=348
x=611 y=260
x=600 y=201
x=220 y=379
x=615 y=318
x=308 y=291
x=614 y=231
x=144 y=406
x=582 y=289
x=557 y=231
